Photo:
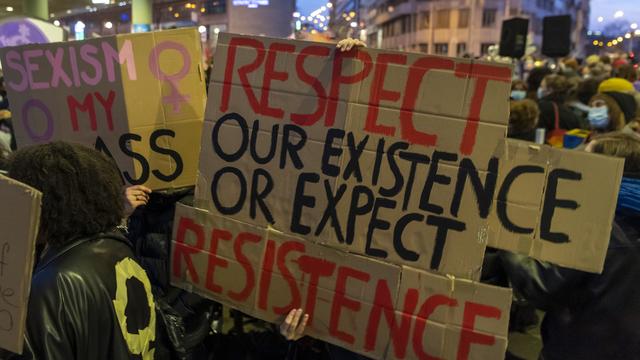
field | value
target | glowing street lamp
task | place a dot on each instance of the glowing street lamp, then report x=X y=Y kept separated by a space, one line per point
x=618 y=14
x=600 y=19
x=627 y=36
x=108 y=25
x=634 y=26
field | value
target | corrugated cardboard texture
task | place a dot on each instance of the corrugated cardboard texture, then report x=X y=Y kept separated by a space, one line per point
x=446 y=95
x=150 y=85
x=397 y=156
x=364 y=177
x=587 y=227
x=352 y=300
x=19 y=221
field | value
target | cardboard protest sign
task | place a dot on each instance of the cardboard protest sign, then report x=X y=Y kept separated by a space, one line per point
x=365 y=184
x=398 y=156
x=137 y=97
x=19 y=221
x=555 y=205
x=372 y=307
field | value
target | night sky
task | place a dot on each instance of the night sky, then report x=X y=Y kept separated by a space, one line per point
x=604 y=8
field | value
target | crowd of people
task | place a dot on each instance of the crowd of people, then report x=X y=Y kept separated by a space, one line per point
x=600 y=96
x=83 y=239
x=587 y=316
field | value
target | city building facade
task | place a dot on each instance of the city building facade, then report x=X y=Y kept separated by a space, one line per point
x=255 y=17
x=461 y=27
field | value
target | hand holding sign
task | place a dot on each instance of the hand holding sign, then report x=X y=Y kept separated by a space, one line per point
x=349 y=43
x=135 y=196
x=292 y=328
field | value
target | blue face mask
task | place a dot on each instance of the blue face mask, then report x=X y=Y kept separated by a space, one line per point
x=598 y=117
x=518 y=94
x=542 y=93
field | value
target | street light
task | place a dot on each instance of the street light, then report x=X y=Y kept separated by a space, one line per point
x=634 y=26
x=618 y=14
x=600 y=19
x=56 y=22
x=108 y=25
x=329 y=5
x=202 y=29
x=619 y=39
x=627 y=36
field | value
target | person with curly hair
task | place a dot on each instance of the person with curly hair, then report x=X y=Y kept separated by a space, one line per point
x=89 y=298
x=523 y=119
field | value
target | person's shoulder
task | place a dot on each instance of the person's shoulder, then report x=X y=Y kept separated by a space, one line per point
x=83 y=257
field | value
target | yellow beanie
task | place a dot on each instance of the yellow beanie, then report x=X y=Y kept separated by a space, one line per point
x=615 y=84
x=593 y=59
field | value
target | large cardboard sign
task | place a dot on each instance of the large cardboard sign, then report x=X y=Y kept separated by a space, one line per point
x=19 y=220
x=344 y=182
x=137 y=97
x=398 y=156
x=370 y=306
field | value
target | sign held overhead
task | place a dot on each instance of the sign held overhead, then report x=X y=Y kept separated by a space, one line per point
x=139 y=98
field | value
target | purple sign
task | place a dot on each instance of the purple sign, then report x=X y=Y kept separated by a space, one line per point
x=20 y=32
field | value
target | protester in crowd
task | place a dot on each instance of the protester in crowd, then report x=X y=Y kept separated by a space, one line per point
x=87 y=290
x=605 y=115
x=580 y=94
x=523 y=120
x=518 y=90
x=627 y=72
x=570 y=67
x=554 y=113
x=592 y=316
x=625 y=93
x=534 y=80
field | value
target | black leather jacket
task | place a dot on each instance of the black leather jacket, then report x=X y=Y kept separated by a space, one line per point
x=81 y=293
x=588 y=316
